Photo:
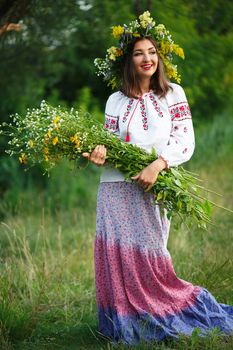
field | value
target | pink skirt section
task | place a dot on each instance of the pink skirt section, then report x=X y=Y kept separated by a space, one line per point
x=139 y=297
x=131 y=282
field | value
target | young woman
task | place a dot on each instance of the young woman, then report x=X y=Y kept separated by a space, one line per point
x=139 y=296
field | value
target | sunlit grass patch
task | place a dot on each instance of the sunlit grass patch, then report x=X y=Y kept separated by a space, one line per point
x=46 y=277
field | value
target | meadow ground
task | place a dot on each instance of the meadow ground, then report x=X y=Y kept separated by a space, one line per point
x=47 y=293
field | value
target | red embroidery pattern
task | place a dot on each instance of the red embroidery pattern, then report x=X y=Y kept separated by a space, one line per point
x=155 y=104
x=111 y=122
x=143 y=113
x=180 y=111
x=129 y=107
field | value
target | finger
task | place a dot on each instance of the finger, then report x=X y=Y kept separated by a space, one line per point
x=146 y=185
x=98 y=152
x=96 y=158
x=142 y=182
x=148 y=188
x=99 y=163
x=104 y=150
x=135 y=177
x=86 y=154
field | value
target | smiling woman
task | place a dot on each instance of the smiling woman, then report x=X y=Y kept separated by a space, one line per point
x=139 y=296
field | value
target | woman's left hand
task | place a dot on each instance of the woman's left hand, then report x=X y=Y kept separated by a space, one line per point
x=148 y=176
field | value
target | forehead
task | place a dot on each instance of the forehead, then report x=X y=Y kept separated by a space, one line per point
x=144 y=44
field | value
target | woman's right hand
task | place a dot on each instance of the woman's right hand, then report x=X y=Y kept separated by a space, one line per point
x=98 y=156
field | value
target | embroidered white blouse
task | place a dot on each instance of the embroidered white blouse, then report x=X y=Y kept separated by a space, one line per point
x=164 y=124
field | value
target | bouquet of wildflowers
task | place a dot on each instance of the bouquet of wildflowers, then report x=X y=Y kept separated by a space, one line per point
x=48 y=134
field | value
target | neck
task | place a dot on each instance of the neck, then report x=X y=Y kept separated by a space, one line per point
x=144 y=85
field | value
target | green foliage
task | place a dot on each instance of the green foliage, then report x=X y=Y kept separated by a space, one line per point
x=65 y=189
x=214 y=140
x=53 y=55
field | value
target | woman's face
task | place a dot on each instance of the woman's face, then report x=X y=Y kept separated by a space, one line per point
x=145 y=58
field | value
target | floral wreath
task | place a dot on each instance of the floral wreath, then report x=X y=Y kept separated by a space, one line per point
x=145 y=26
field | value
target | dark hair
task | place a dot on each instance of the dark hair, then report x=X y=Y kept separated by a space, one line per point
x=130 y=82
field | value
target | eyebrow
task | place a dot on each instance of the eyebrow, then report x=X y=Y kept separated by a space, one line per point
x=150 y=48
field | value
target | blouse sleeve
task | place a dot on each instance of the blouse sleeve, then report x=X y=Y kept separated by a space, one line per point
x=111 y=114
x=181 y=144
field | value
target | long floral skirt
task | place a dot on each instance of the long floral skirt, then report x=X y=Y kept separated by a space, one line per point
x=139 y=297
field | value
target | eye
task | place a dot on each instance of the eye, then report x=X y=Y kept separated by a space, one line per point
x=137 y=53
x=153 y=52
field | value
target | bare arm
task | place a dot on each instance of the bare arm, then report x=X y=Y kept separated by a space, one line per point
x=148 y=176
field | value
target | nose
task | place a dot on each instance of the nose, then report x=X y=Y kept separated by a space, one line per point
x=146 y=57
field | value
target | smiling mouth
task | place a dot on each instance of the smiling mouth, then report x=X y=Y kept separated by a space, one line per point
x=146 y=66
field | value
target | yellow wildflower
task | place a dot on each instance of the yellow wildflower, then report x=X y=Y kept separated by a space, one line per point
x=171 y=71
x=136 y=35
x=46 y=154
x=178 y=50
x=165 y=47
x=145 y=20
x=56 y=119
x=49 y=133
x=74 y=139
x=23 y=158
x=30 y=143
x=46 y=150
x=117 y=31
x=119 y=52
x=114 y=52
x=113 y=82
x=55 y=140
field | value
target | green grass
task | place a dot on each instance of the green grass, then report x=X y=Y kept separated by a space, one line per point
x=47 y=294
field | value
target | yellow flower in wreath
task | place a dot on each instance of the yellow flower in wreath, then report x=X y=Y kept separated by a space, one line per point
x=114 y=52
x=117 y=31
